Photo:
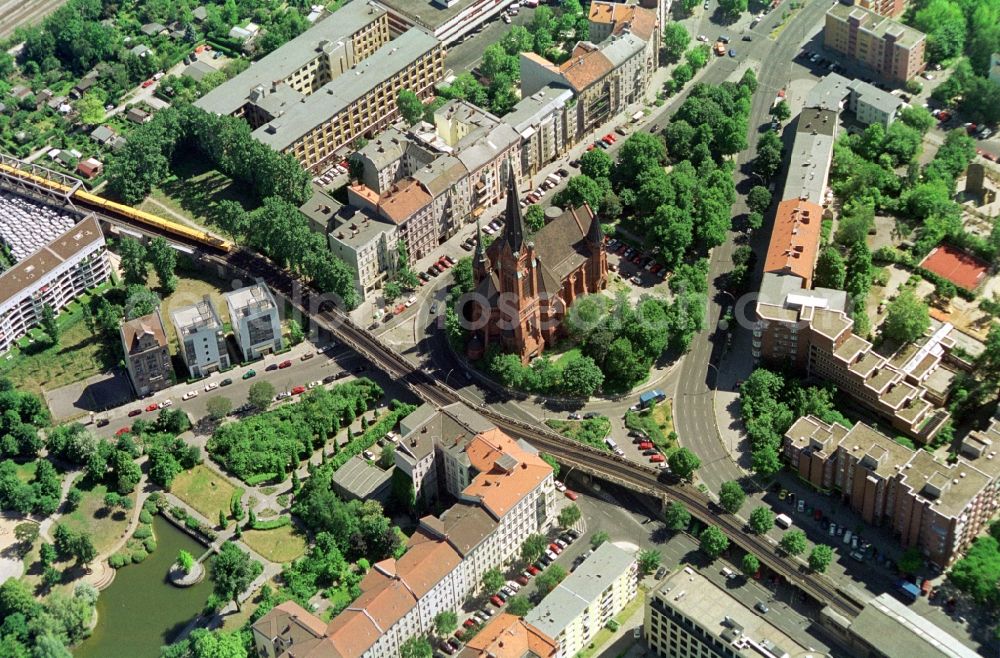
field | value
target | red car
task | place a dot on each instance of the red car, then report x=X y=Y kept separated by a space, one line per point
x=555 y=548
x=134 y=412
x=124 y=430
x=611 y=137
x=152 y=407
x=496 y=600
x=533 y=570
x=621 y=250
x=469 y=623
x=284 y=364
x=460 y=633
x=523 y=580
x=147 y=83
x=298 y=390
x=572 y=495
x=656 y=459
x=645 y=445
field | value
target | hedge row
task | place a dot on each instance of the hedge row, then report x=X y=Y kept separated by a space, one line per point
x=271 y=524
x=372 y=434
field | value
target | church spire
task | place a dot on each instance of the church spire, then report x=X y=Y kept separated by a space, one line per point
x=513 y=232
x=480 y=263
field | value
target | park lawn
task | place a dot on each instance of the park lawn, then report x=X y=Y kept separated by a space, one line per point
x=26 y=471
x=278 y=545
x=591 y=431
x=92 y=517
x=204 y=490
x=194 y=191
x=38 y=366
x=656 y=422
x=568 y=357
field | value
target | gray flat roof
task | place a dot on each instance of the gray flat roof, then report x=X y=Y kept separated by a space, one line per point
x=895 y=630
x=346 y=21
x=531 y=109
x=872 y=95
x=573 y=595
x=829 y=93
x=337 y=95
x=812 y=152
x=775 y=289
x=622 y=47
x=427 y=13
x=360 y=478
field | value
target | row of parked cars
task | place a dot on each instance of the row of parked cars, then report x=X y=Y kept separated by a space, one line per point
x=643 y=261
x=550 y=181
x=648 y=448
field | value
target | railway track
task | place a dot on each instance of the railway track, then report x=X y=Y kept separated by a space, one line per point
x=596 y=463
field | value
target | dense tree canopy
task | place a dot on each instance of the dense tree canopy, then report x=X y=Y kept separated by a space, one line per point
x=907 y=317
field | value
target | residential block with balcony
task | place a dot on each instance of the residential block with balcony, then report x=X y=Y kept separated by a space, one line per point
x=892 y=50
x=201 y=338
x=937 y=507
x=147 y=357
x=256 y=323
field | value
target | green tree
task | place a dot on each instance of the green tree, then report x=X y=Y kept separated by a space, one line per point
x=733 y=7
x=416 y=647
x=944 y=24
x=295 y=333
x=580 y=190
x=534 y=218
x=750 y=565
x=820 y=558
x=186 y=561
x=759 y=199
x=917 y=117
x=232 y=572
x=761 y=519
x=533 y=547
x=683 y=463
x=91 y=108
x=163 y=257
x=907 y=317
x=781 y=111
x=551 y=461
x=83 y=549
x=830 y=269
x=445 y=622
x=676 y=516
x=675 y=41
x=260 y=394
x=569 y=516
x=769 y=155
x=793 y=542
x=133 y=261
x=582 y=377
x=493 y=581
x=598 y=538
x=649 y=560
x=49 y=324
x=755 y=220
x=910 y=561
x=549 y=579
x=218 y=407
x=713 y=542
x=731 y=496
x=410 y=106
x=519 y=605
x=596 y=164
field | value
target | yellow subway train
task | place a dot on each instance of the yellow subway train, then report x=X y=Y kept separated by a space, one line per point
x=121 y=211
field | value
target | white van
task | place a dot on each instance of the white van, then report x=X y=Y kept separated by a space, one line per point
x=728 y=573
x=783 y=521
x=847 y=536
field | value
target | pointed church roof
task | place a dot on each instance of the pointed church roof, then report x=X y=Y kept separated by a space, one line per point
x=480 y=259
x=513 y=232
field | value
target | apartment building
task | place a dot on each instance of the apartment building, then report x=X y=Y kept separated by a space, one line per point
x=587 y=599
x=303 y=65
x=544 y=122
x=336 y=82
x=509 y=494
x=202 y=341
x=892 y=50
x=605 y=77
x=53 y=275
x=868 y=103
x=935 y=506
x=810 y=330
x=508 y=636
x=147 y=357
x=430 y=182
x=611 y=19
x=811 y=156
x=890 y=8
x=887 y=627
x=795 y=239
x=447 y=20
x=366 y=242
x=256 y=323
x=689 y=616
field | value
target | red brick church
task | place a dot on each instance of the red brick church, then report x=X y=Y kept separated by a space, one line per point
x=524 y=285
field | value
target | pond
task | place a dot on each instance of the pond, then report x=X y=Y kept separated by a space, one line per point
x=141 y=611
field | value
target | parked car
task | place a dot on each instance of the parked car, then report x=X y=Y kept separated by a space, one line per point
x=134 y=412
x=226 y=382
x=211 y=386
x=189 y=395
x=284 y=364
x=152 y=407
x=572 y=495
x=249 y=373
x=496 y=600
x=166 y=403
x=657 y=458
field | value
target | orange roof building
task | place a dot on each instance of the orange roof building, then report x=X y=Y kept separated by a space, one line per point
x=607 y=18
x=445 y=557
x=507 y=636
x=795 y=239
